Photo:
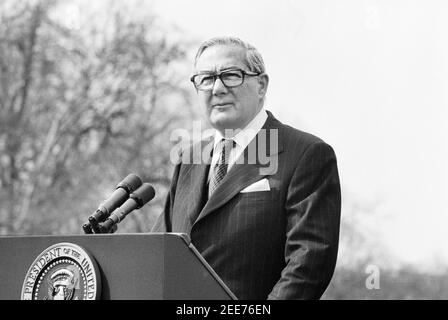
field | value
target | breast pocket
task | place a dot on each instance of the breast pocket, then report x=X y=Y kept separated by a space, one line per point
x=255 y=213
x=258 y=197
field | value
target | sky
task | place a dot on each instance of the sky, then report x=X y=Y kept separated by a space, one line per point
x=370 y=78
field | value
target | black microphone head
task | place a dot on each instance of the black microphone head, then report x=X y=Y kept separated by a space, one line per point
x=143 y=194
x=131 y=183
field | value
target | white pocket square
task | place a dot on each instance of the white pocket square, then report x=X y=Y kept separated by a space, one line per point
x=260 y=185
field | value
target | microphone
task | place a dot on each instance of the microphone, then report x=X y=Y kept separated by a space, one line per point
x=121 y=193
x=136 y=200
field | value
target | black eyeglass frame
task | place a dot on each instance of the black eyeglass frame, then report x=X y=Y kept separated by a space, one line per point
x=218 y=75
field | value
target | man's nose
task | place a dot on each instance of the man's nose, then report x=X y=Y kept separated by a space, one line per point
x=219 y=87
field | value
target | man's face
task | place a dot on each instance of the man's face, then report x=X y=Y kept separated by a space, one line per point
x=230 y=108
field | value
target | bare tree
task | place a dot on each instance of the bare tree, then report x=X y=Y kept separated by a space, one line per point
x=80 y=109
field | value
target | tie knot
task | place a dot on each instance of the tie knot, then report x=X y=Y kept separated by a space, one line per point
x=226 y=143
x=224 y=147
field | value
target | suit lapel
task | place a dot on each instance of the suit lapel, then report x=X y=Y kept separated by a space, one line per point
x=193 y=180
x=252 y=169
x=196 y=196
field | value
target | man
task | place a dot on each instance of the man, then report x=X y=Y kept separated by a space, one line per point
x=264 y=210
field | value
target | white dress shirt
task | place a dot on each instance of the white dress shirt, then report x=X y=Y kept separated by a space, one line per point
x=242 y=138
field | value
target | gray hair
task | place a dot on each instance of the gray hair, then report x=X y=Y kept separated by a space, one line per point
x=254 y=61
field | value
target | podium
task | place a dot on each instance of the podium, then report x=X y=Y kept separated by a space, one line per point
x=153 y=266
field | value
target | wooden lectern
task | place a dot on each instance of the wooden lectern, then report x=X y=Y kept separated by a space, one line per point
x=153 y=266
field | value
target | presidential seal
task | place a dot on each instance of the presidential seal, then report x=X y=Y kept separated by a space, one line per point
x=64 y=271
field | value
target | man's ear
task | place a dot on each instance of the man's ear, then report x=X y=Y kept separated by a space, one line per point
x=263 y=81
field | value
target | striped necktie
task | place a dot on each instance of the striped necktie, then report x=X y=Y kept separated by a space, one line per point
x=220 y=169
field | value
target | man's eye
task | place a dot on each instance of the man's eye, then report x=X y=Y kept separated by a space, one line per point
x=206 y=79
x=231 y=75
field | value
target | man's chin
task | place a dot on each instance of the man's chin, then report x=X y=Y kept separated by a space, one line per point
x=222 y=121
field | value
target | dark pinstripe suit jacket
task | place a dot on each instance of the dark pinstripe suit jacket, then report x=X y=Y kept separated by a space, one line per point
x=277 y=244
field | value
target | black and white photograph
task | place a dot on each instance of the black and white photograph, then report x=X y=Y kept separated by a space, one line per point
x=223 y=154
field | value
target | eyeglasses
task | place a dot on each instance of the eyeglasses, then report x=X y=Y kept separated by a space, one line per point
x=230 y=78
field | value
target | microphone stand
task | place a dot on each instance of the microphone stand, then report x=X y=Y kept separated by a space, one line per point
x=92 y=226
x=107 y=222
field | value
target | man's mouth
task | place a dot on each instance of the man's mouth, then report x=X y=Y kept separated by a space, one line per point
x=221 y=105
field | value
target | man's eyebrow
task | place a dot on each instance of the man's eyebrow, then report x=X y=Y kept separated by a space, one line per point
x=231 y=67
